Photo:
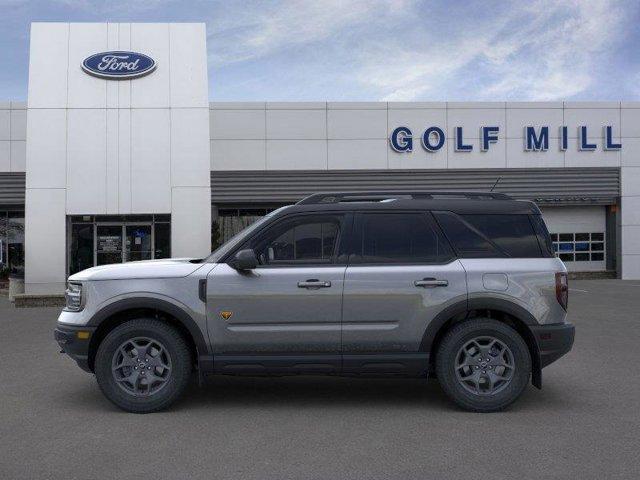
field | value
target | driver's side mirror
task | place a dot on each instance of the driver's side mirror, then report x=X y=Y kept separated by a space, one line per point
x=245 y=260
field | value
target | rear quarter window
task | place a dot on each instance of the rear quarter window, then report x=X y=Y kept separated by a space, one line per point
x=491 y=235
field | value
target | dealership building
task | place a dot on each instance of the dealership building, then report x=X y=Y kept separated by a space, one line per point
x=118 y=155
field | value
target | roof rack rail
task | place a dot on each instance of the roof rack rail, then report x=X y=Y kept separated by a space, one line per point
x=337 y=197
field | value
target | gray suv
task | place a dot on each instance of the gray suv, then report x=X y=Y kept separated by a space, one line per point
x=461 y=286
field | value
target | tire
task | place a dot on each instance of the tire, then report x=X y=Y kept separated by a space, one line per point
x=153 y=377
x=491 y=386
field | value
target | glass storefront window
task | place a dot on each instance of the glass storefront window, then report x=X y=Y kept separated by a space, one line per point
x=101 y=239
x=163 y=240
x=81 y=252
x=11 y=243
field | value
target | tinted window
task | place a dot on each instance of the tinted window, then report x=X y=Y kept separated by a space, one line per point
x=514 y=234
x=400 y=238
x=307 y=239
x=544 y=239
x=481 y=236
x=468 y=242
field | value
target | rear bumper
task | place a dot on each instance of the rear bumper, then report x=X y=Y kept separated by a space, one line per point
x=73 y=345
x=553 y=341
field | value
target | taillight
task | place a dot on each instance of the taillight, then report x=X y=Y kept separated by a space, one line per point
x=562 y=289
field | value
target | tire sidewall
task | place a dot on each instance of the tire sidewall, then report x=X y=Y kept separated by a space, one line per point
x=180 y=367
x=459 y=336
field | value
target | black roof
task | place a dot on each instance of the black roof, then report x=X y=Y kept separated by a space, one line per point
x=457 y=202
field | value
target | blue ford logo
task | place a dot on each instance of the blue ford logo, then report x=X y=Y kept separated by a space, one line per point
x=118 y=65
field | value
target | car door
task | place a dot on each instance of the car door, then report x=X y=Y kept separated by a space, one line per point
x=286 y=313
x=401 y=274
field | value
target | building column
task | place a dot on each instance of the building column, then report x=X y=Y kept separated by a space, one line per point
x=191 y=222
x=630 y=223
x=45 y=241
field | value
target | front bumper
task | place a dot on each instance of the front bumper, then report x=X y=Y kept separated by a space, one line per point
x=554 y=341
x=75 y=342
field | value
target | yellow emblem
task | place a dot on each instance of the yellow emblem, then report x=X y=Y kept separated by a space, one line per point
x=226 y=315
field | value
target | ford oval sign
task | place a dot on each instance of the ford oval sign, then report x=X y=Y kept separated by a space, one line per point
x=118 y=65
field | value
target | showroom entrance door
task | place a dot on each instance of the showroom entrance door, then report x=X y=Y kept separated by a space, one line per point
x=123 y=243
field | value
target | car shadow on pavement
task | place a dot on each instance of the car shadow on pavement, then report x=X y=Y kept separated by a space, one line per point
x=313 y=391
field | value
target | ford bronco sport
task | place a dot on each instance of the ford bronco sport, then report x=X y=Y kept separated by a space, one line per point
x=462 y=286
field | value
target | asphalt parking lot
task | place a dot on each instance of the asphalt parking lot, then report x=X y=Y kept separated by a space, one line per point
x=54 y=422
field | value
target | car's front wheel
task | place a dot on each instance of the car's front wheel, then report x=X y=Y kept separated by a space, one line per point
x=483 y=365
x=143 y=365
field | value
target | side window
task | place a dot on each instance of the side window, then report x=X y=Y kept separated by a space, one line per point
x=468 y=242
x=514 y=234
x=306 y=239
x=400 y=238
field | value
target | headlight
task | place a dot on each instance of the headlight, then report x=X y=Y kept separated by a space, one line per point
x=73 y=296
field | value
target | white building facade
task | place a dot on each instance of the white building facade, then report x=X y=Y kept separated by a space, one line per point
x=99 y=170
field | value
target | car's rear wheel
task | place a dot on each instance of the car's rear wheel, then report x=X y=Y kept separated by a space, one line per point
x=143 y=365
x=483 y=365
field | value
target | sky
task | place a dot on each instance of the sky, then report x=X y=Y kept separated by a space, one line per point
x=377 y=50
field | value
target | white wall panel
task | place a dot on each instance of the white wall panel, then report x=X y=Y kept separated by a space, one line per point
x=5 y=124
x=630 y=211
x=111 y=162
x=630 y=239
x=296 y=124
x=5 y=156
x=495 y=157
x=47 y=148
x=152 y=91
x=357 y=124
x=238 y=155
x=18 y=156
x=574 y=157
x=517 y=157
x=18 y=124
x=630 y=120
x=419 y=158
x=238 y=124
x=150 y=161
x=190 y=164
x=86 y=91
x=45 y=240
x=191 y=222
x=630 y=153
x=124 y=161
x=48 y=62
x=188 y=56
x=86 y=161
x=357 y=154
x=630 y=181
x=113 y=43
x=296 y=154
x=124 y=86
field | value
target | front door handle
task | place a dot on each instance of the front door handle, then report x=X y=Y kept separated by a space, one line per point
x=431 y=283
x=314 y=283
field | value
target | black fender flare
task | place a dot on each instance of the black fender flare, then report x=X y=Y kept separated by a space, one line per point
x=462 y=308
x=155 y=303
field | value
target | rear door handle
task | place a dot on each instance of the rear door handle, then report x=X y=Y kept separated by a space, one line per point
x=431 y=283
x=314 y=283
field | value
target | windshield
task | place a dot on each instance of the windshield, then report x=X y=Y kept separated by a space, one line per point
x=239 y=237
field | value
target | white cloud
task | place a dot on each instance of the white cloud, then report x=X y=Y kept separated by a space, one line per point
x=255 y=31
x=542 y=51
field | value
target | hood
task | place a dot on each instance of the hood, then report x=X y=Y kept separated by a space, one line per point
x=166 y=268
